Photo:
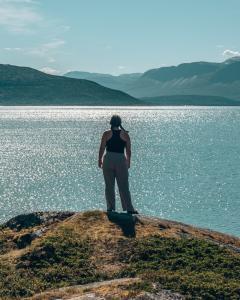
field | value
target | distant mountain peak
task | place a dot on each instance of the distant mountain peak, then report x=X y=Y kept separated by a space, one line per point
x=216 y=79
x=232 y=59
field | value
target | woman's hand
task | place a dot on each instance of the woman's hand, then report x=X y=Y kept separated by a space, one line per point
x=100 y=163
x=128 y=163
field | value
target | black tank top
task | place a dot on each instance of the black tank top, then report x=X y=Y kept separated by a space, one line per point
x=115 y=143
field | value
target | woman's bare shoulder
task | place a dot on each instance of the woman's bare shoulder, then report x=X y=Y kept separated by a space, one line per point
x=124 y=135
x=107 y=133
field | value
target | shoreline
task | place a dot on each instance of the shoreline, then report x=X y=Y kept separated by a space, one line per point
x=48 y=217
x=116 y=106
x=152 y=217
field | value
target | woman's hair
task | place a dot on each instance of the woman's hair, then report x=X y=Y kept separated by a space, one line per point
x=116 y=121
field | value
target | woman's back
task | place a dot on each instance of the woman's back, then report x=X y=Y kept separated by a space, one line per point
x=115 y=143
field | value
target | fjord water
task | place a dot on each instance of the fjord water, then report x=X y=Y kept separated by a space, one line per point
x=185 y=161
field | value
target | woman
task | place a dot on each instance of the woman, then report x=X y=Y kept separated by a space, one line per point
x=115 y=164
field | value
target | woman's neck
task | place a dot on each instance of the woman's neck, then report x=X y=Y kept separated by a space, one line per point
x=115 y=128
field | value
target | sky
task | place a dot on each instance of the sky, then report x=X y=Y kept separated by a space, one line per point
x=116 y=37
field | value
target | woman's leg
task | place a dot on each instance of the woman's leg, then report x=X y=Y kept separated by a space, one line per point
x=123 y=185
x=109 y=178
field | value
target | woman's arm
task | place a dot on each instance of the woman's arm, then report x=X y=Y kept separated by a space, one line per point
x=101 y=150
x=128 y=149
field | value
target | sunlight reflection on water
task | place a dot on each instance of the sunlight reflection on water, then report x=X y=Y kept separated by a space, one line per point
x=185 y=161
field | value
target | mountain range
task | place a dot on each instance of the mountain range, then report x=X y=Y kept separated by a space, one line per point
x=218 y=80
x=27 y=86
x=197 y=83
x=120 y=82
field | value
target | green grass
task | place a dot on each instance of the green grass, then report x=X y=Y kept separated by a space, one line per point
x=59 y=260
x=193 y=267
x=6 y=241
x=196 y=268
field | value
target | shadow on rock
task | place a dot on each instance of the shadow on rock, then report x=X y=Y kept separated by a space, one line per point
x=125 y=221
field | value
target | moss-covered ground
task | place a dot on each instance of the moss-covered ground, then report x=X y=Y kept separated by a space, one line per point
x=70 y=254
x=195 y=268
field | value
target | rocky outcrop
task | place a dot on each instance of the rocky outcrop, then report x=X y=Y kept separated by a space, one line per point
x=36 y=224
x=36 y=218
x=106 y=290
x=95 y=255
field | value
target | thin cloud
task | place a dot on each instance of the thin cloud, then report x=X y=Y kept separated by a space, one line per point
x=50 y=70
x=121 y=67
x=18 y=19
x=230 y=53
x=23 y=16
x=41 y=50
x=54 y=44
x=46 y=51
x=19 y=1
x=65 y=28
x=13 y=49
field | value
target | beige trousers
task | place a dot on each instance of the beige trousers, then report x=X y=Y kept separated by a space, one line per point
x=115 y=167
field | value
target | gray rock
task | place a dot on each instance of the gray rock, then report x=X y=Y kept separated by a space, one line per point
x=34 y=219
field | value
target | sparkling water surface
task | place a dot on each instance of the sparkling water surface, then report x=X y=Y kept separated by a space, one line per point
x=185 y=161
